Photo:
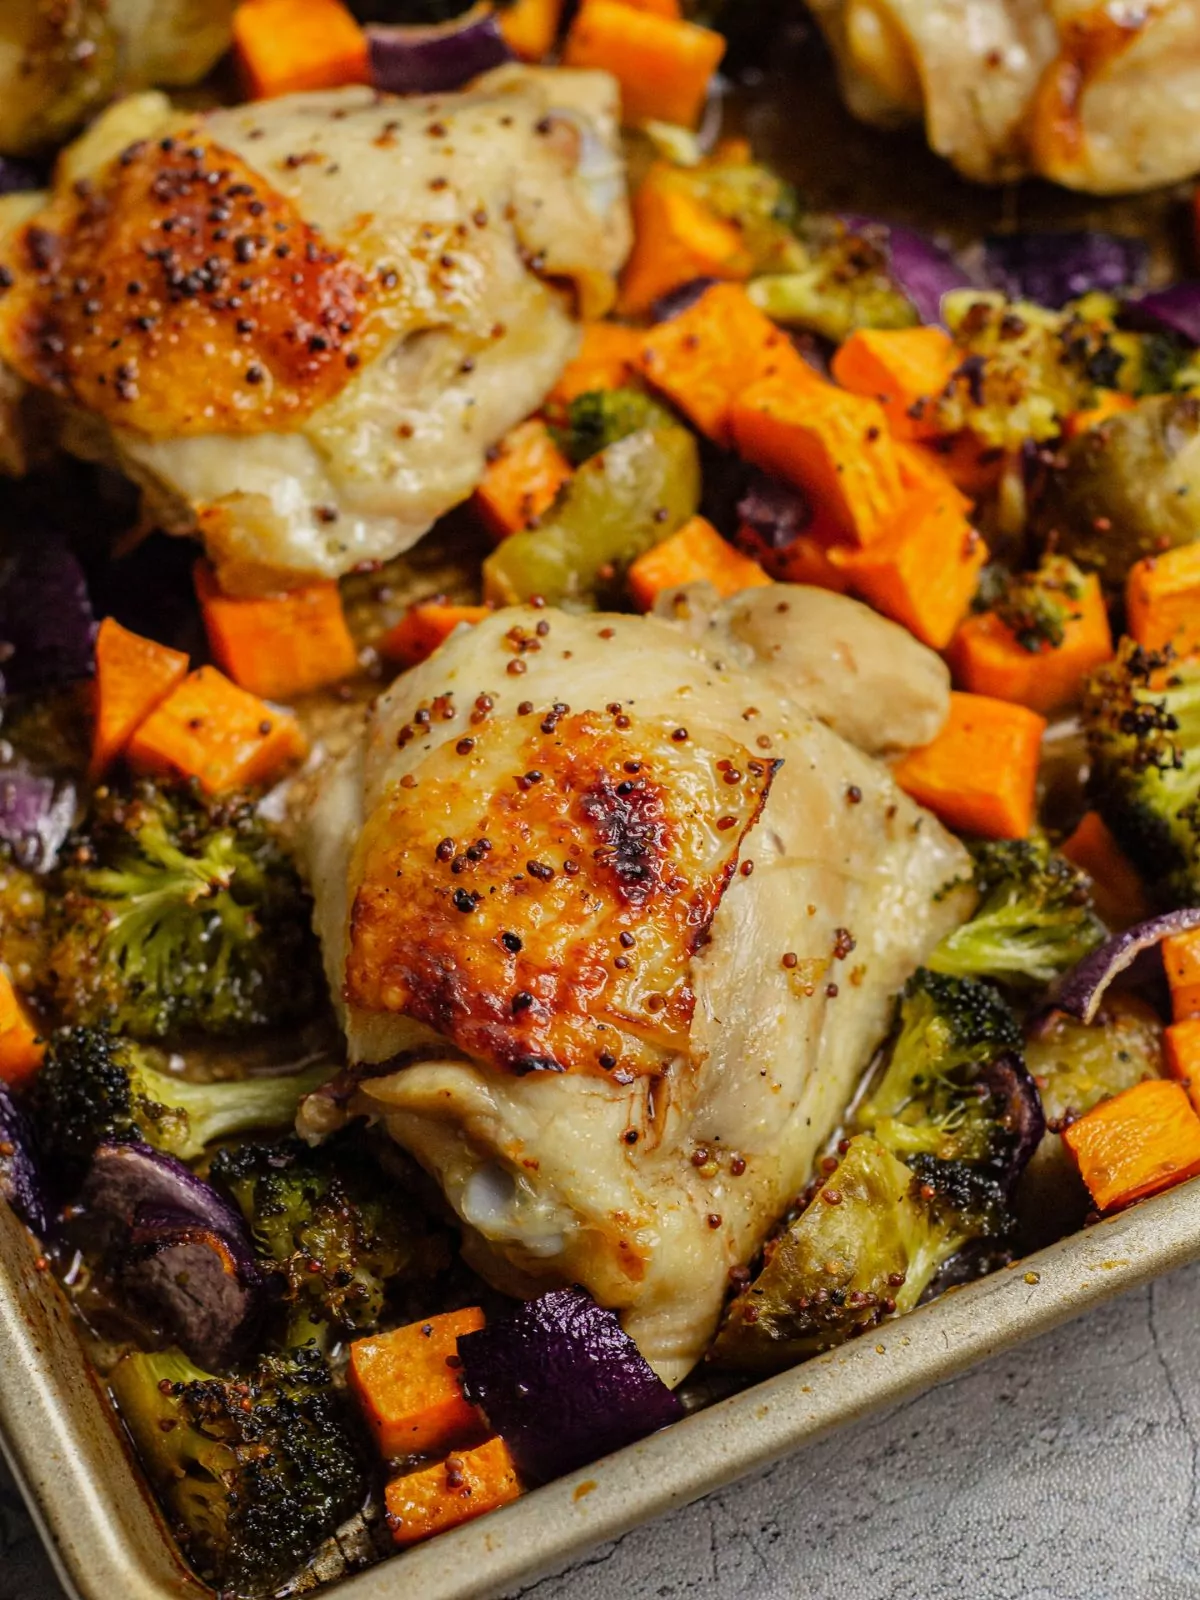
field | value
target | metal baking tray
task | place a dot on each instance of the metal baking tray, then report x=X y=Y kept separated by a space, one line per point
x=101 y=1525
x=107 y=1539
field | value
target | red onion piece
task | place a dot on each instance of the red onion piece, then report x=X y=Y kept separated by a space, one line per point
x=36 y=812
x=920 y=269
x=1081 y=993
x=1052 y=268
x=1175 y=310
x=563 y=1383
x=438 y=58
x=47 y=626
x=20 y=1181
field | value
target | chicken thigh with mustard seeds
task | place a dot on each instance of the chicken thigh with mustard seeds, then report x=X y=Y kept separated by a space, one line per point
x=302 y=323
x=1099 y=97
x=616 y=925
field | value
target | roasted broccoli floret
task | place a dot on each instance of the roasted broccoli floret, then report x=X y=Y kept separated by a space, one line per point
x=96 y=1088
x=599 y=418
x=1141 y=713
x=842 y=282
x=1024 y=369
x=1038 y=605
x=254 y=1472
x=1034 y=919
x=936 y=1150
x=174 y=912
x=333 y=1232
x=868 y=1244
x=930 y=1100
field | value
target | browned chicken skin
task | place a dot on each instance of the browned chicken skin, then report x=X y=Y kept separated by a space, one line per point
x=1098 y=96
x=302 y=323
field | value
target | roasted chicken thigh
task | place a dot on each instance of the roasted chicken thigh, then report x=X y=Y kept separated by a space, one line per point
x=1097 y=97
x=301 y=323
x=616 y=924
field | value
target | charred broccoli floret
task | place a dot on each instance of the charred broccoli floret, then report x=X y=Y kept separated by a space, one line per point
x=842 y=282
x=594 y=420
x=1038 y=605
x=255 y=1472
x=1141 y=713
x=333 y=1233
x=175 y=912
x=95 y=1088
x=1034 y=919
x=867 y=1246
x=931 y=1099
x=936 y=1150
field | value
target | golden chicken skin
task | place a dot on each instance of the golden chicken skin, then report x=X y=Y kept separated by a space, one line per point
x=615 y=934
x=1099 y=97
x=302 y=323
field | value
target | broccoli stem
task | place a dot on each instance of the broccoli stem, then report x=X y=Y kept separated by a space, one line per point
x=198 y=1114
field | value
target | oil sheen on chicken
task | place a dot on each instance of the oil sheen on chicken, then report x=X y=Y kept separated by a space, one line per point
x=616 y=926
x=303 y=322
x=1101 y=97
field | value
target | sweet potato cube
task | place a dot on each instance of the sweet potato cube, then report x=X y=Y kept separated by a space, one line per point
x=662 y=65
x=1117 y=888
x=425 y=626
x=285 y=46
x=831 y=444
x=1181 y=1053
x=464 y=1486
x=211 y=730
x=988 y=658
x=133 y=675
x=980 y=774
x=1181 y=959
x=1143 y=1140
x=607 y=359
x=695 y=553
x=705 y=356
x=902 y=368
x=923 y=571
x=676 y=240
x=522 y=479
x=1162 y=600
x=22 y=1043
x=407 y=1384
x=279 y=646
x=530 y=27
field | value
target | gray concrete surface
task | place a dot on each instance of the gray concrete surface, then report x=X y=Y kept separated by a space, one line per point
x=1068 y=1470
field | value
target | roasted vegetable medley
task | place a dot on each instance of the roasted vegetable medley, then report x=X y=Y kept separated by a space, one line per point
x=464 y=1003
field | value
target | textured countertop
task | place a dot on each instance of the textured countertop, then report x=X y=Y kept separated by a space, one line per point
x=1067 y=1470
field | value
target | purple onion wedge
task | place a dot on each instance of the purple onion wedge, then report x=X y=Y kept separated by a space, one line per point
x=1009 y=1082
x=36 y=812
x=124 y=1178
x=921 y=270
x=47 y=627
x=437 y=58
x=775 y=511
x=204 y=1287
x=1052 y=268
x=1081 y=992
x=563 y=1383
x=20 y=1182
x=1175 y=310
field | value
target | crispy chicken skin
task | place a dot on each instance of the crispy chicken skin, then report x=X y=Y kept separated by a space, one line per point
x=616 y=925
x=302 y=323
x=1100 y=97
